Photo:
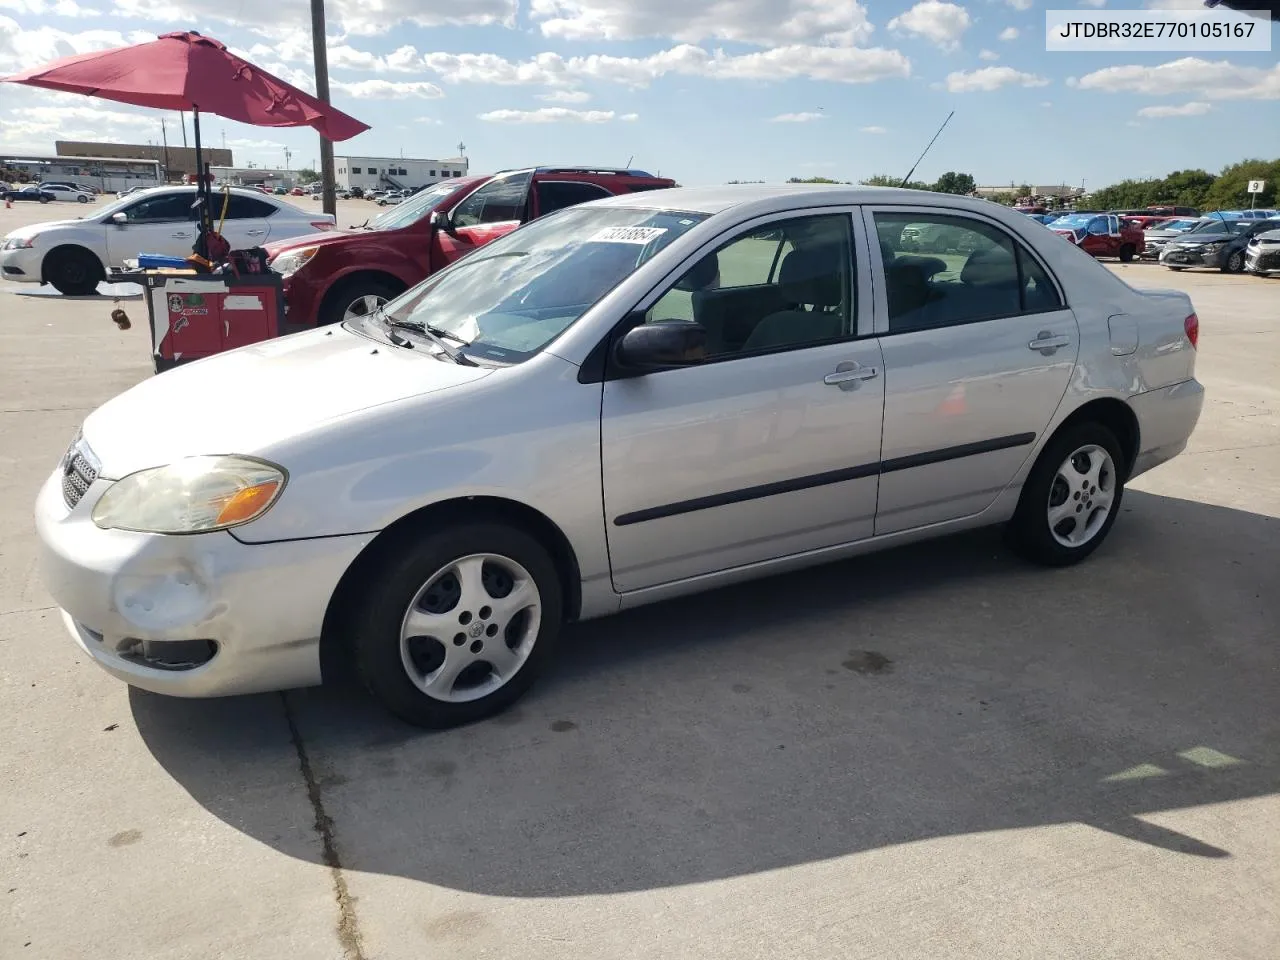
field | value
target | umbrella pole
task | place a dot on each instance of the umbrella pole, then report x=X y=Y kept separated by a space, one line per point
x=202 y=193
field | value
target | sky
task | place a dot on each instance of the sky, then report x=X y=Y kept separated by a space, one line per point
x=704 y=91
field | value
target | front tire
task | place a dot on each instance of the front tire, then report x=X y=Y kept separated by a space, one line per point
x=458 y=623
x=1126 y=253
x=1234 y=262
x=74 y=272
x=355 y=298
x=82 y=199
x=1071 y=497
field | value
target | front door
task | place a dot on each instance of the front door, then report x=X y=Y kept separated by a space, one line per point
x=978 y=350
x=771 y=445
x=163 y=224
x=490 y=211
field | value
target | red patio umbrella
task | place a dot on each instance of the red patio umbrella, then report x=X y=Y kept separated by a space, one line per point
x=187 y=71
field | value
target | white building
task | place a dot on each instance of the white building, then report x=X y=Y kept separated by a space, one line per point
x=381 y=173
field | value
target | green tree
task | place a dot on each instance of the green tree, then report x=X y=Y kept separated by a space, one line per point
x=958 y=183
x=307 y=175
x=1230 y=189
x=812 y=180
x=884 y=180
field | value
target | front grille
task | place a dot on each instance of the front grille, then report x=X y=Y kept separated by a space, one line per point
x=78 y=473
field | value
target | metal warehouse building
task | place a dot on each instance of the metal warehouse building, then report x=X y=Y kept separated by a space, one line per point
x=371 y=173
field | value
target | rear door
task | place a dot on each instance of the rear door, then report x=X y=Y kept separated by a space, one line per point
x=248 y=220
x=158 y=223
x=978 y=350
x=552 y=195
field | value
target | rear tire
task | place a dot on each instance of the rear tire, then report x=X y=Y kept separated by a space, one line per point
x=74 y=272
x=1071 y=498
x=433 y=605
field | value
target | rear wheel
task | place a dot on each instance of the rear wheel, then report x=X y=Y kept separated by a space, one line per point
x=457 y=623
x=74 y=271
x=356 y=298
x=44 y=199
x=1071 y=498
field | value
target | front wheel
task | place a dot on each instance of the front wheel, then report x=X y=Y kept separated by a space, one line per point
x=354 y=299
x=1176 y=269
x=82 y=199
x=1071 y=497
x=457 y=624
x=74 y=272
x=44 y=199
x=1126 y=253
x=1234 y=262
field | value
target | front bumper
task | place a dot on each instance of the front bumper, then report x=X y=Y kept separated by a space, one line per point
x=1166 y=419
x=1192 y=257
x=21 y=264
x=1264 y=261
x=130 y=600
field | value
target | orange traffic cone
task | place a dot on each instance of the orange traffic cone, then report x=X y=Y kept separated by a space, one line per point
x=8 y=203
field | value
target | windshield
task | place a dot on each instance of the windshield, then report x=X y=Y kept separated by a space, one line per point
x=1214 y=225
x=506 y=301
x=410 y=211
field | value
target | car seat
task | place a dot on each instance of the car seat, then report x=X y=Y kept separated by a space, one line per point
x=809 y=277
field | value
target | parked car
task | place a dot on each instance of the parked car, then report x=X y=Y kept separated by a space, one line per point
x=67 y=194
x=70 y=185
x=297 y=192
x=280 y=191
x=31 y=194
x=1262 y=256
x=622 y=401
x=1219 y=245
x=390 y=198
x=1143 y=218
x=73 y=255
x=1101 y=235
x=352 y=272
x=132 y=190
x=1162 y=231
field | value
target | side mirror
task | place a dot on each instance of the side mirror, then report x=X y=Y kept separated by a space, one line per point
x=662 y=345
x=120 y=219
x=442 y=221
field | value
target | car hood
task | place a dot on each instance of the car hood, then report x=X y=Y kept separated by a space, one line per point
x=323 y=239
x=1267 y=235
x=1206 y=238
x=245 y=400
x=33 y=228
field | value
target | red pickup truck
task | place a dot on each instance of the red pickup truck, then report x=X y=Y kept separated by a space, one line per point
x=348 y=273
x=1101 y=234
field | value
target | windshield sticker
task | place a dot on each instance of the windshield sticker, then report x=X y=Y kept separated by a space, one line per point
x=640 y=235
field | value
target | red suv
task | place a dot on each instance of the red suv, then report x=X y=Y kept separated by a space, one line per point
x=352 y=272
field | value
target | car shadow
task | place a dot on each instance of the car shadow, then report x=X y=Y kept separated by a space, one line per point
x=106 y=293
x=936 y=690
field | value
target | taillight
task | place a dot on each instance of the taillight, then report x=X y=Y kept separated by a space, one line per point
x=1192 y=326
x=322 y=224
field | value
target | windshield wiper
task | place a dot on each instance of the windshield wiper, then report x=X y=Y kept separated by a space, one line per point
x=436 y=335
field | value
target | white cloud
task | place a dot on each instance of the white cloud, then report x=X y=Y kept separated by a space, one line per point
x=1195 y=108
x=429 y=121
x=554 y=115
x=796 y=118
x=1093 y=3
x=1020 y=4
x=58 y=8
x=937 y=21
x=1008 y=34
x=764 y=22
x=21 y=48
x=1209 y=79
x=991 y=78
x=565 y=96
x=874 y=130
x=377 y=89
x=255 y=146
x=988 y=55
x=836 y=64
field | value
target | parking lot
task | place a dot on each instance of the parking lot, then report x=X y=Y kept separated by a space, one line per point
x=936 y=752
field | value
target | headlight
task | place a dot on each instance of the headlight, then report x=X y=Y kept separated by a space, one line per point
x=193 y=495
x=19 y=243
x=290 y=263
x=1211 y=247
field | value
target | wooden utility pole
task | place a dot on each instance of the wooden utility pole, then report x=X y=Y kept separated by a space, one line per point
x=320 y=53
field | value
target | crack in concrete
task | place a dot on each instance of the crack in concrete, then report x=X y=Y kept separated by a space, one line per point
x=348 y=928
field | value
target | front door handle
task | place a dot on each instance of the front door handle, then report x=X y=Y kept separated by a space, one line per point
x=256 y=233
x=848 y=375
x=180 y=236
x=1047 y=342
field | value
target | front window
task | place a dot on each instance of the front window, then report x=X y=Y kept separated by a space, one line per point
x=414 y=209
x=509 y=299
x=498 y=201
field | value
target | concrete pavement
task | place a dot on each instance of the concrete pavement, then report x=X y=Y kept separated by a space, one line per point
x=935 y=752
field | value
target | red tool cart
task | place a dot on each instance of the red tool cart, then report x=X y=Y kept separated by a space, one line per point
x=194 y=315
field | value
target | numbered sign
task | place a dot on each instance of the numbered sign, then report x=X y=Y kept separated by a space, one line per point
x=1255 y=186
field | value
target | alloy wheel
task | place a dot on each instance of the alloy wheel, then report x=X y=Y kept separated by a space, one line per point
x=363 y=306
x=1081 y=496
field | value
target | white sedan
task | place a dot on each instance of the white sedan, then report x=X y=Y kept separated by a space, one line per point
x=67 y=194
x=73 y=255
x=622 y=401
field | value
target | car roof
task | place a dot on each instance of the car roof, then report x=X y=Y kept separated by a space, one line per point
x=783 y=196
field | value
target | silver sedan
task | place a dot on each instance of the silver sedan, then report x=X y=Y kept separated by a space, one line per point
x=623 y=401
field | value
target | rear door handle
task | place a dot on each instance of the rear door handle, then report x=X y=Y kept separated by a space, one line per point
x=1047 y=342
x=848 y=375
